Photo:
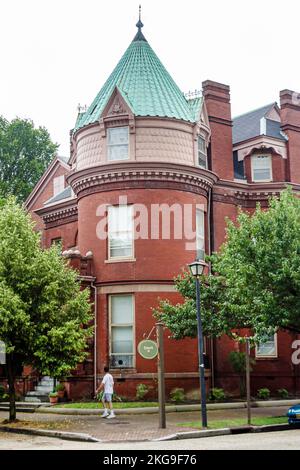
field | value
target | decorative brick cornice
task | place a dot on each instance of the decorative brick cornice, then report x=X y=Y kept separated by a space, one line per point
x=142 y=175
x=248 y=195
x=59 y=214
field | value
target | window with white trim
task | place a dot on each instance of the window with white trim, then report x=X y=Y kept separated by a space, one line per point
x=121 y=330
x=120 y=232
x=117 y=143
x=267 y=348
x=200 y=234
x=58 y=184
x=202 y=152
x=261 y=168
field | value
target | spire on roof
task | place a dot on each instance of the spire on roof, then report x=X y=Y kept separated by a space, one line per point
x=139 y=35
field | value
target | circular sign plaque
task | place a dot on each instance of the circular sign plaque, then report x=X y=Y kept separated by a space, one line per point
x=148 y=349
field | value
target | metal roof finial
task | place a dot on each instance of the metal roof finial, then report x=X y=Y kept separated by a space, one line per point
x=139 y=24
x=139 y=35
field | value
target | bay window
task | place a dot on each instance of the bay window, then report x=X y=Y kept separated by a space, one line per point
x=121 y=330
x=117 y=143
x=200 y=234
x=120 y=232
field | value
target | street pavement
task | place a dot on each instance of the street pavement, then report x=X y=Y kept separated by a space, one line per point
x=133 y=428
x=280 y=440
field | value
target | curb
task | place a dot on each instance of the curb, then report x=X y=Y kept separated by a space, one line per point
x=70 y=436
x=169 y=409
x=225 y=432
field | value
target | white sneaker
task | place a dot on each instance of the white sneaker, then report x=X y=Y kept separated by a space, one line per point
x=112 y=415
x=105 y=414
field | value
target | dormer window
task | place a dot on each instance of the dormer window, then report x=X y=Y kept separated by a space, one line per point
x=58 y=184
x=261 y=168
x=202 y=152
x=117 y=143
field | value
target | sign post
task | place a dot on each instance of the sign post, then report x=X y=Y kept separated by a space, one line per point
x=161 y=376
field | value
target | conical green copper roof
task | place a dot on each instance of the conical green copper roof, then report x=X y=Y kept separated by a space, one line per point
x=146 y=86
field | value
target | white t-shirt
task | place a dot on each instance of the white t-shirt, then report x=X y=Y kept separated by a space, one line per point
x=108 y=383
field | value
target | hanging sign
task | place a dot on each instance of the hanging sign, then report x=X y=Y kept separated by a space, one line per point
x=148 y=349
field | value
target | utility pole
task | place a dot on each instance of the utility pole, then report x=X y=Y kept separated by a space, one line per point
x=161 y=376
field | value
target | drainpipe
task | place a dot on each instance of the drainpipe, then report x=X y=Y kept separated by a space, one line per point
x=95 y=335
x=210 y=234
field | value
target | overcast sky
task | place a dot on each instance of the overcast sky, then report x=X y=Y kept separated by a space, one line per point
x=58 y=53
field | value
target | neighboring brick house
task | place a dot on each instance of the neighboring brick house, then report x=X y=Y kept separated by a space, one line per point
x=143 y=139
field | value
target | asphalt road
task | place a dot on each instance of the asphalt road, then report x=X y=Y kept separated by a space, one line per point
x=283 y=440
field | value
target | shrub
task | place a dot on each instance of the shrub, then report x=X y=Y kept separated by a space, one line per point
x=141 y=391
x=177 y=395
x=263 y=393
x=282 y=393
x=53 y=394
x=217 y=394
x=59 y=388
x=3 y=394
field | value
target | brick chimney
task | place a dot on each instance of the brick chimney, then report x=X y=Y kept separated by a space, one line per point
x=290 y=124
x=217 y=100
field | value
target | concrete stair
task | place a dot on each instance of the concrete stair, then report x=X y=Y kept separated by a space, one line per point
x=41 y=392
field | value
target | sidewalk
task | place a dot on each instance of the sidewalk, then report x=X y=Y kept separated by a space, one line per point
x=133 y=427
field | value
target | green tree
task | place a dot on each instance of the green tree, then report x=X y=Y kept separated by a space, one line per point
x=25 y=153
x=44 y=315
x=255 y=279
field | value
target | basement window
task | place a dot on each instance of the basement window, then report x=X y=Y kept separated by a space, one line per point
x=118 y=144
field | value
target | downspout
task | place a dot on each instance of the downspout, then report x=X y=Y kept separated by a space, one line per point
x=210 y=234
x=95 y=336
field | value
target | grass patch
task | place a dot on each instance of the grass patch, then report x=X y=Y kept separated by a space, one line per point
x=116 y=405
x=231 y=423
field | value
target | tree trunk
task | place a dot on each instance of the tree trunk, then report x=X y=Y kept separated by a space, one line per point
x=11 y=384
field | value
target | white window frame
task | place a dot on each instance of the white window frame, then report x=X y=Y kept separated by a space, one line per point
x=120 y=325
x=110 y=146
x=200 y=152
x=268 y=356
x=58 y=184
x=253 y=158
x=120 y=258
x=198 y=235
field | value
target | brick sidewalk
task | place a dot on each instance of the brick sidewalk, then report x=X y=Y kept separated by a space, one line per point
x=131 y=427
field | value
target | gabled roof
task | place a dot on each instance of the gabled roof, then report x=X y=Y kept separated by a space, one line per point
x=248 y=126
x=145 y=85
x=56 y=162
x=64 y=194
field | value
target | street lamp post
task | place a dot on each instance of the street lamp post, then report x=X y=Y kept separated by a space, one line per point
x=197 y=269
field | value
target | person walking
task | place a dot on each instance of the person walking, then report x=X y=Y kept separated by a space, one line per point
x=107 y=385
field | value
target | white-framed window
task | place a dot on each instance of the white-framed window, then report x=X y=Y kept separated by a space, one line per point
x=261 y=168
x=117 y=143
x=120 y=232
x=200 y=234
x=58 y=184
x=267 y=348
x=122 y=344
x=202 y=152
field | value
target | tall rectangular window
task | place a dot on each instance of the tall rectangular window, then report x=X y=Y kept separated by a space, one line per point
x=261 y=168
x=121 y=330
x=202 y=152
x=58 y=184
x=118 y=143
x=200 y=234
x=120 y=232
x=267 y=348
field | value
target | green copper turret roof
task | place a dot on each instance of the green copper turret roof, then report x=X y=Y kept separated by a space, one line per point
x=146 y=86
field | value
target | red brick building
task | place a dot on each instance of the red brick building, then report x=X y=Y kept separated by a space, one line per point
x=142 y=148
